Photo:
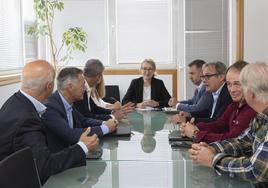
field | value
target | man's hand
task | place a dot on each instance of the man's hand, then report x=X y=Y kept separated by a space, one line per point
x=116 y=106
x=90 y=141
x=185 y=114
x=129 y=107
x=119 y=114
x=188 y=129
x=202 y=154
x=111 y=124
x=172 y=102
x=177 y=119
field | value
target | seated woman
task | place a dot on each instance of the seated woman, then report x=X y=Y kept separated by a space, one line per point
x=234 y=120
x=98 y=92
x=147 y=91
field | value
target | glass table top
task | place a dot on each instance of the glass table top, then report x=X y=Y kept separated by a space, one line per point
x=143 y=160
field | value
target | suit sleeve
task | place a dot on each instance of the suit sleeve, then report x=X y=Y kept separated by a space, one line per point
x=57 y=124
x=165 y=96
x=130 y=94
x=47 y=163
x=202 y=106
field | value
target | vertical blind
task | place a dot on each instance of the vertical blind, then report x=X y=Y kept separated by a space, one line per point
x=206 y=33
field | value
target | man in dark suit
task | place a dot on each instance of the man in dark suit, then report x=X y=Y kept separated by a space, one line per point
x=19 y=130
x=64 y=123
x=214 y=80
x=200 y=100
x=93 y=74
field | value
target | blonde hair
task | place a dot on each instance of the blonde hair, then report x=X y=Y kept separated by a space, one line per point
x=149 y=61
x=99 y=91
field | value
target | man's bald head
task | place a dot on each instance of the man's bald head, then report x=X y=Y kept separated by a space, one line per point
x=37 y=74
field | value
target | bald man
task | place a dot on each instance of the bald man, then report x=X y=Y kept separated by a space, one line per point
x=21 y=125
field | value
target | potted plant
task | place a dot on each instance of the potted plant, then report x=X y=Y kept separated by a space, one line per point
x=74 y=39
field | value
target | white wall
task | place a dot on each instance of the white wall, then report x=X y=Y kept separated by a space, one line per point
x=256 y=31
x=7 y=91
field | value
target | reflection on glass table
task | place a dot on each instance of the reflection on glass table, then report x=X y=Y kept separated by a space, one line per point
x=116 y=174
x=145 y=159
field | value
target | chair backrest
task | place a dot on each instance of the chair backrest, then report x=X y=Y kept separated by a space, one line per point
x=111 y=93
x=19 y=170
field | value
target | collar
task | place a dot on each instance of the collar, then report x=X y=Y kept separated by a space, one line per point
x=68 y=107
x=217 y=93
x=40 y=108
x=200 y=86
x=88 y=88
x=260 y=121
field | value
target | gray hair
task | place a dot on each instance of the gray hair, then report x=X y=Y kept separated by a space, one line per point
x=66 y=76
x=254 y=78
x=219 y=67
x=93 y=67
x=39 y=83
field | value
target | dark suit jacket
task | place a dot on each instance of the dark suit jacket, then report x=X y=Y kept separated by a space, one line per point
x=25 y=128
x=59 y=134
x=159 y=92
x=223 y=101
x=95 y=112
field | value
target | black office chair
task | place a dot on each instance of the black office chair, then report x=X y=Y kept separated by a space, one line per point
x=19 y=170
x=112 y=93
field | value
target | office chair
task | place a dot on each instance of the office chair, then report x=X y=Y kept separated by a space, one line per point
x=112 y=93
x=19 y=170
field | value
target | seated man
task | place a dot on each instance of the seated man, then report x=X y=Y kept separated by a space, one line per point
x=194 y=104
x=214 y=81
x=19 y=130
x=234 y=120
x=93 y=74
x=64 y=124
x=246 y=155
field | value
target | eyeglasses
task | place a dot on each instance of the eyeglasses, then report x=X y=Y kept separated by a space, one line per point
x=208 y=76
x=146 y=69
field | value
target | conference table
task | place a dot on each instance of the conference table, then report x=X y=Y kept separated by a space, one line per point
x=145 y=159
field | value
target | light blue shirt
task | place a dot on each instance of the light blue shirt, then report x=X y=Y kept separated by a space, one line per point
x=40 y=108
x=69 y=109
x=215 y=96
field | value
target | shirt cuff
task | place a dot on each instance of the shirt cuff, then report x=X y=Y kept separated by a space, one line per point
x=104 y=128
x=112 y=116
x=177 y=105
x=83 y=146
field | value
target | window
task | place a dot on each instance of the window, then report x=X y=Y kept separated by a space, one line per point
x=206 y=34
x=16 y=46
x=144 y=30
x=91 y=15
x=11 y=47
x=30 y=42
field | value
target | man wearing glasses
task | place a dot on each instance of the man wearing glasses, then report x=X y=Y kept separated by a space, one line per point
x=214 y=80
